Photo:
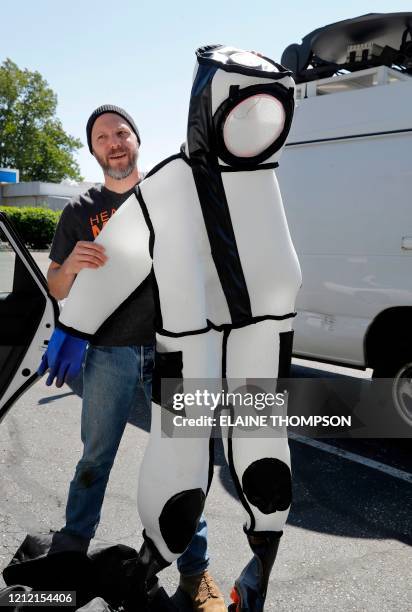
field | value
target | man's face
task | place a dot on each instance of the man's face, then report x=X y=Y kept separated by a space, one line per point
x=115 y=145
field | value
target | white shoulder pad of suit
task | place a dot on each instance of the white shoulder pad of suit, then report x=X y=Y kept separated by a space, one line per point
x=96 y=293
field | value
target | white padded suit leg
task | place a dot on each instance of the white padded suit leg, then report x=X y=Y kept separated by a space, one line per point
x=174 y=465
x=253 y=352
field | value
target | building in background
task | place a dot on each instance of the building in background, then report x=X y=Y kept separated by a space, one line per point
x=37 y=193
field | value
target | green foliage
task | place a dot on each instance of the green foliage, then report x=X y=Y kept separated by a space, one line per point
x=36 y=226
x=32 y=139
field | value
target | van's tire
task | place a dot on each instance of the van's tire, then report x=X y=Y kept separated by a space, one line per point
x=399 y=388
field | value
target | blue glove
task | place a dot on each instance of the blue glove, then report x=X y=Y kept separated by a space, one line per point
x=64 y=357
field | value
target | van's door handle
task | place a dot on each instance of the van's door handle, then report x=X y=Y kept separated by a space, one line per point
x=407 y=243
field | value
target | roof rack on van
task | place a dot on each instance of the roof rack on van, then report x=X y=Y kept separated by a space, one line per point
x=376 y=39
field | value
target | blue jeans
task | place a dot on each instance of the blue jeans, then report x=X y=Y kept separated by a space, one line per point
x=114 y=379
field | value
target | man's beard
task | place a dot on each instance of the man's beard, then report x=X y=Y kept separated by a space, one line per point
x=120 y=173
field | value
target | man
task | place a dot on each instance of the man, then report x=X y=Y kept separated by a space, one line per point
x=118 y=364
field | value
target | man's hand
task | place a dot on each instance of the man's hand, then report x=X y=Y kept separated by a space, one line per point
x=84 y=255
x=64 y=357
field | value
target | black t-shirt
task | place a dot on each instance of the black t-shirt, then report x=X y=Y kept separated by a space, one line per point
x=82 y=219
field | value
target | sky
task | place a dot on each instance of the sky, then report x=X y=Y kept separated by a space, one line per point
x=140 y=54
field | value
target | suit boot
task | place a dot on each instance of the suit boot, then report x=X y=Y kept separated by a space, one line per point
x=249 y=592
x=144 y=593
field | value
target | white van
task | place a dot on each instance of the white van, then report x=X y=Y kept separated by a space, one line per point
x=346 y=182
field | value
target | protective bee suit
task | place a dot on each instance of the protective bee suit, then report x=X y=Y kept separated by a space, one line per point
x=209 y=224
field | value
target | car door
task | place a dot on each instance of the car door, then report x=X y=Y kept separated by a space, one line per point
x=27 y=317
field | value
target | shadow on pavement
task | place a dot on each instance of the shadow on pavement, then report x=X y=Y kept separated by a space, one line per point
x=335 y=496
x=53 y=398
x=330 y=494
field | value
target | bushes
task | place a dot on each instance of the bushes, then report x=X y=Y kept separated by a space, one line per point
x=36 y=226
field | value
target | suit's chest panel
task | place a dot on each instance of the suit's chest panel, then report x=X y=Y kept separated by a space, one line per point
x=190 y=292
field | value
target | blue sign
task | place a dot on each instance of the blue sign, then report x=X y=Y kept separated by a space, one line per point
x=8 y=175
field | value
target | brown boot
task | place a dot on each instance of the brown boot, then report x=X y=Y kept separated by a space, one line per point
x=204 y=593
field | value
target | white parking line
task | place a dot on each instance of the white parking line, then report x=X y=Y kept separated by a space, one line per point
x=376 y=465
x=335 y=369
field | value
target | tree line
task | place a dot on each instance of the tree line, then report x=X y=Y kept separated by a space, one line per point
x=32 y=138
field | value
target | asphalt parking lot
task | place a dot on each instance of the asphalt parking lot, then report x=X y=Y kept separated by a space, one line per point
x=346 y=544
